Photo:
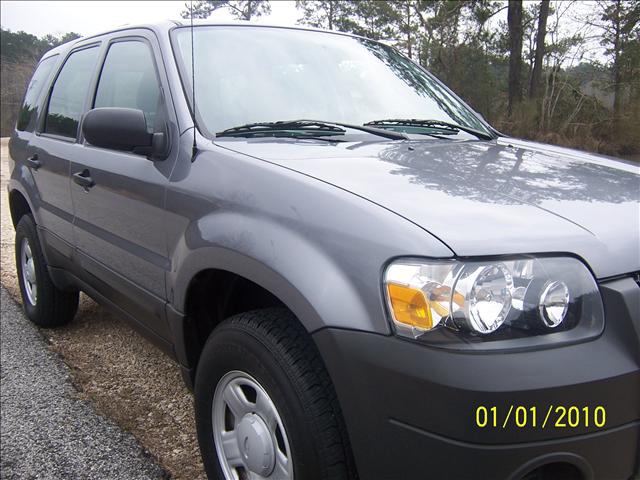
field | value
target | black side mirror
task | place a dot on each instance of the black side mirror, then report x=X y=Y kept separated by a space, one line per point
x=122 y=129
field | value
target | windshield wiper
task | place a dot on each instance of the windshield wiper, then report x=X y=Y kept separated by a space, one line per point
x=446 y=127
x=307 y=127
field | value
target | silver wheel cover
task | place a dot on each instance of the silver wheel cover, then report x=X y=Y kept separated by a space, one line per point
x=28 y=272
x=249 y=436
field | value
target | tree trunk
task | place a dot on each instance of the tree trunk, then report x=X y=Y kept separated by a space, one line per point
x=536 y=75
x=617 y=70
x=408 y=13
x=514 y=19
x=248 y=8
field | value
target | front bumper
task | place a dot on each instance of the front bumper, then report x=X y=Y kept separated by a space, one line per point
x=411 y=410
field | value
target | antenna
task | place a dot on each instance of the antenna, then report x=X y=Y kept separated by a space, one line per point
x=193 y=83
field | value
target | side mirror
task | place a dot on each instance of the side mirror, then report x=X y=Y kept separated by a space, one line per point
x=122 y=129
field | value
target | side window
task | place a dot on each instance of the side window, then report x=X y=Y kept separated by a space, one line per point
x=129 y=80
x=32 y=95
x=69 y=93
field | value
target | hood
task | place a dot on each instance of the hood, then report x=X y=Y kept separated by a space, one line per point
x=485 y=198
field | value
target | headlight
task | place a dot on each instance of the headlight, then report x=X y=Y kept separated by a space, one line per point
x=494 y=299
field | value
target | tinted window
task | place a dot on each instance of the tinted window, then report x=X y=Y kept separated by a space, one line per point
x=36 y=85
x=129 y=80
x=69 y=92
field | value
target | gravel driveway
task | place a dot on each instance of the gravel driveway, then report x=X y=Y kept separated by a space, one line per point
x=47 y=431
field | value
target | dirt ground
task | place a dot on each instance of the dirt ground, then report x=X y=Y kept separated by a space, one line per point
x=121 y=373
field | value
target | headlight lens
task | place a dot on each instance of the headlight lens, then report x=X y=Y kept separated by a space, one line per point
x=554 y=303
x=492 y=299
x=487 y=292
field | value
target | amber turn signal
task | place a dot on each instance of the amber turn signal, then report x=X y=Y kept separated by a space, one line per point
x=409 y=306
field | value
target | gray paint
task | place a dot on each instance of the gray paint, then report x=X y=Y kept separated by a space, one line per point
x=314 y=223
x=486 y=198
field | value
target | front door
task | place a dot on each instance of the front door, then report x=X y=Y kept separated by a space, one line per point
x=119 y=216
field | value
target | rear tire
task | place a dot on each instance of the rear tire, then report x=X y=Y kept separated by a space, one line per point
x=267 y=358
x=43 y=303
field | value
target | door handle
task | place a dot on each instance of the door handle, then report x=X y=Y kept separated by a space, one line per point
x=33 y=162
x=84 y=179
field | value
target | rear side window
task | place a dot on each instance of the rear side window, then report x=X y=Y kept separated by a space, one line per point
x=69 y=93
x=129 y=80
x=32 y=95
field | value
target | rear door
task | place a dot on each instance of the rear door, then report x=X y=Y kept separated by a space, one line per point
x=53 y=143
x=119 y=221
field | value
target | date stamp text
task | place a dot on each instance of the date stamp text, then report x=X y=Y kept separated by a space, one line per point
x=554 y=416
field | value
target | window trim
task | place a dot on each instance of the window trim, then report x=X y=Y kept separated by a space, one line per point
x=103 y=60
x=42 y=121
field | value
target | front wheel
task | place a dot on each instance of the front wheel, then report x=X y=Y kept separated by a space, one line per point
x=44 y=304
x=265 y=406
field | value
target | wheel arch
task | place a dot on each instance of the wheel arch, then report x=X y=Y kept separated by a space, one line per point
x=216 y=281
x=18 y=205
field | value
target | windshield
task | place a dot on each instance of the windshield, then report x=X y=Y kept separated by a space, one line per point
x=249 y=74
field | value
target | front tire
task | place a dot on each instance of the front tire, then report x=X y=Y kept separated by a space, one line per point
x=44 y=304
x=265 y=406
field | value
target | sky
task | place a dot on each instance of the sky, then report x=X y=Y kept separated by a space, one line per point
x=40 y=18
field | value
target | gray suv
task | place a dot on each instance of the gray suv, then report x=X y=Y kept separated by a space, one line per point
x=358 y=276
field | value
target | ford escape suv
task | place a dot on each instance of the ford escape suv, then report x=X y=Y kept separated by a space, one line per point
x=358 y=276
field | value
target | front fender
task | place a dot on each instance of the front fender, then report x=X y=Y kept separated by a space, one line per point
x=318 y=248
x=297 y=272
